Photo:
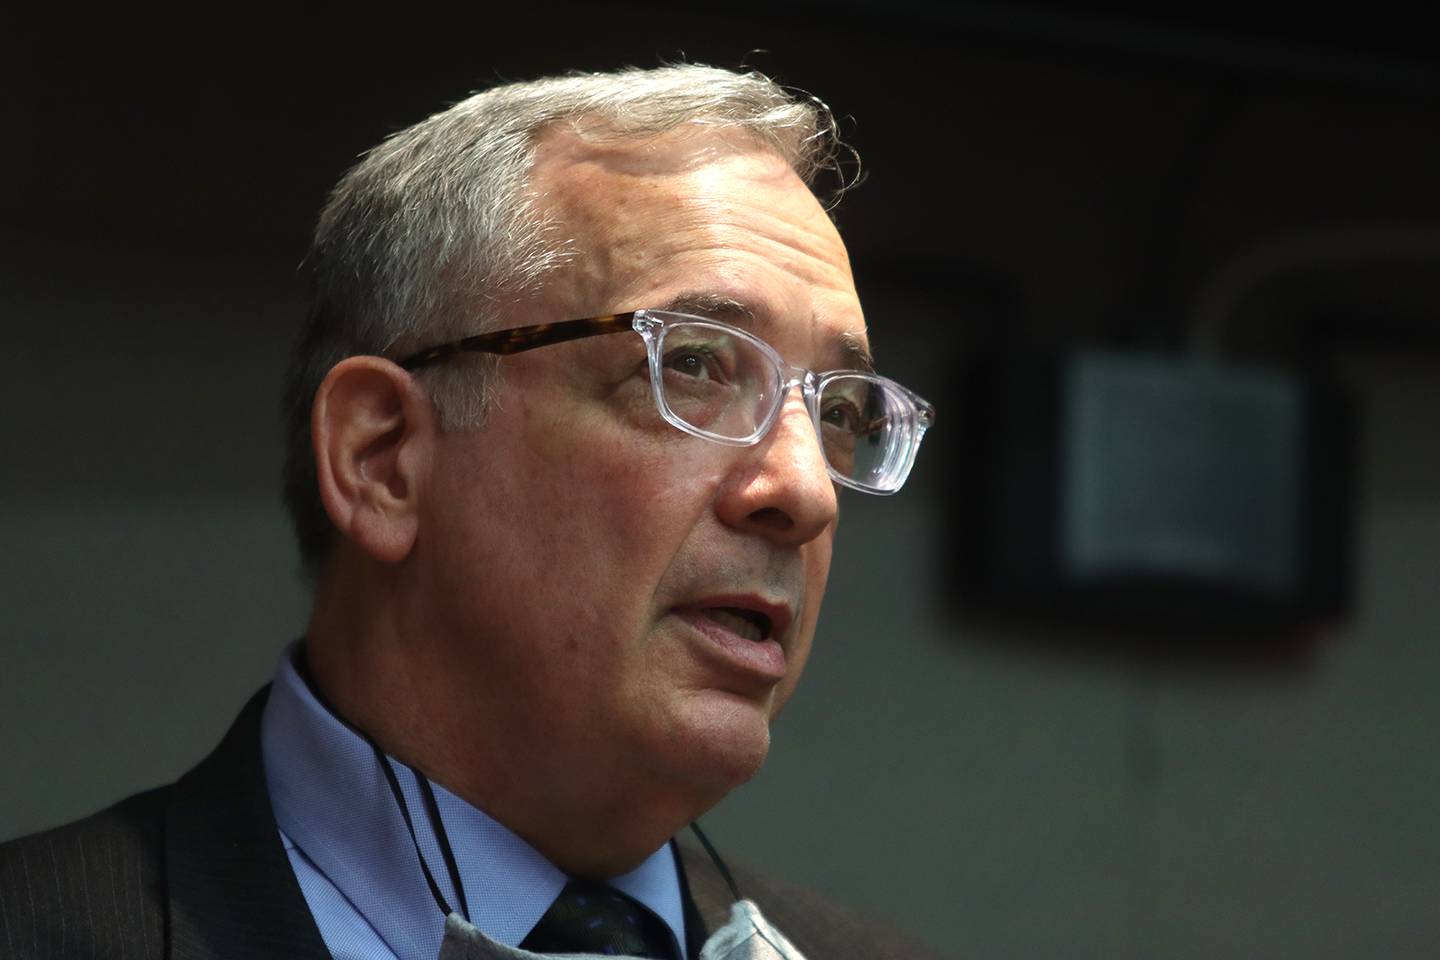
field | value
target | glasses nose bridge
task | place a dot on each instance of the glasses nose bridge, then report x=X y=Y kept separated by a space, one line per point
x=792 y=376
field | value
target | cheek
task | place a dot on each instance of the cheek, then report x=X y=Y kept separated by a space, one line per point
x=618 y=495
x=605 y=509
x=642 y=479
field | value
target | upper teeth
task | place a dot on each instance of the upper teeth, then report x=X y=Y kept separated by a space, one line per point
x=735 y=623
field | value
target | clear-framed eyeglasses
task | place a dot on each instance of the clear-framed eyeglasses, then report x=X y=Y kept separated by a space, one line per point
x=724 y=384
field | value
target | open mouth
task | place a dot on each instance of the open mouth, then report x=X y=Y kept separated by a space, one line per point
x=750 y=624
x=742 y=636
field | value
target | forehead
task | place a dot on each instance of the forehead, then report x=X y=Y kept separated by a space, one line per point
x=702 y=220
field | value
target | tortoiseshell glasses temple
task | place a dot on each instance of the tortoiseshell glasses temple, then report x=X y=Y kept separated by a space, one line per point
x=520 y=339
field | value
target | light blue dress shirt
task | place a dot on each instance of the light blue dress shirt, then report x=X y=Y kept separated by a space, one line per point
x=356 y=864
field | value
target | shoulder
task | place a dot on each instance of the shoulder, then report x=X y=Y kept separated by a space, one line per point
x=819 y=927
x=84 y=888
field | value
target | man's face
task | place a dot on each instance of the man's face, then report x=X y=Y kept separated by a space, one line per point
x=590 y=569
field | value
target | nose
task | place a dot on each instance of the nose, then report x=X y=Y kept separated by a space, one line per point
x=780 y=488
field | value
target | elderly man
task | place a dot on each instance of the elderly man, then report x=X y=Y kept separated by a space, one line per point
x=566 y=479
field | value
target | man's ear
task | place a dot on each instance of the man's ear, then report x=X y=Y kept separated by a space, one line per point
x=372 y=429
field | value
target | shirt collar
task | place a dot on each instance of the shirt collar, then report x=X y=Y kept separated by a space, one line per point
x=332 y=800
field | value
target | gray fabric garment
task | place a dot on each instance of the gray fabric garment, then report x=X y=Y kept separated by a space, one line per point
x=747 y=936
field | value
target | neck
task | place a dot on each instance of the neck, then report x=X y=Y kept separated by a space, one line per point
x=436 y=707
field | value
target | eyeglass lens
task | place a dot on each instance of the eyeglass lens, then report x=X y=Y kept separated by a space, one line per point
x=727 y=386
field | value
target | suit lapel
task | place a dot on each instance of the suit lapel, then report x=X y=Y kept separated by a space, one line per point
x=231 y=889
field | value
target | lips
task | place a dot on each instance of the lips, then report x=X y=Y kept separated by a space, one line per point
x=743 y=635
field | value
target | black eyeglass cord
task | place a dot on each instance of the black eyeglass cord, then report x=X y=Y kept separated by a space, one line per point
x=715 y=858
x=437 y=825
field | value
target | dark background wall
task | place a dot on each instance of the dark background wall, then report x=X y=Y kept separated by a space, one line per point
x=1053 y=174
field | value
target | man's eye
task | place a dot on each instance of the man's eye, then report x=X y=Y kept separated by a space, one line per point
x=695 y=364
x=842 y=416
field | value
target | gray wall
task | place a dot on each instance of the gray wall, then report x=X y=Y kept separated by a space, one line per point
x=995 y=798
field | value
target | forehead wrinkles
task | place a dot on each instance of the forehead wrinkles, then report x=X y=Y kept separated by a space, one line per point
x=782 y=235
x=630 y=205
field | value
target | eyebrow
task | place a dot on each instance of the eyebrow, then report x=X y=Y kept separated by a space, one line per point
x=711 y=305
x=857 y=355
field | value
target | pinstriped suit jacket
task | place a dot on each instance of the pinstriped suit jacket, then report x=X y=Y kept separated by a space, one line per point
x=196 y=871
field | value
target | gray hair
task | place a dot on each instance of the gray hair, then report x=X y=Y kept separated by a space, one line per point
x=434 y=226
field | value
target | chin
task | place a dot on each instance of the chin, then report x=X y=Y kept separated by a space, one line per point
x=719 y=743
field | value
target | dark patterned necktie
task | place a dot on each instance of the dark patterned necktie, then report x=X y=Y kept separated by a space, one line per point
x=591 y=917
